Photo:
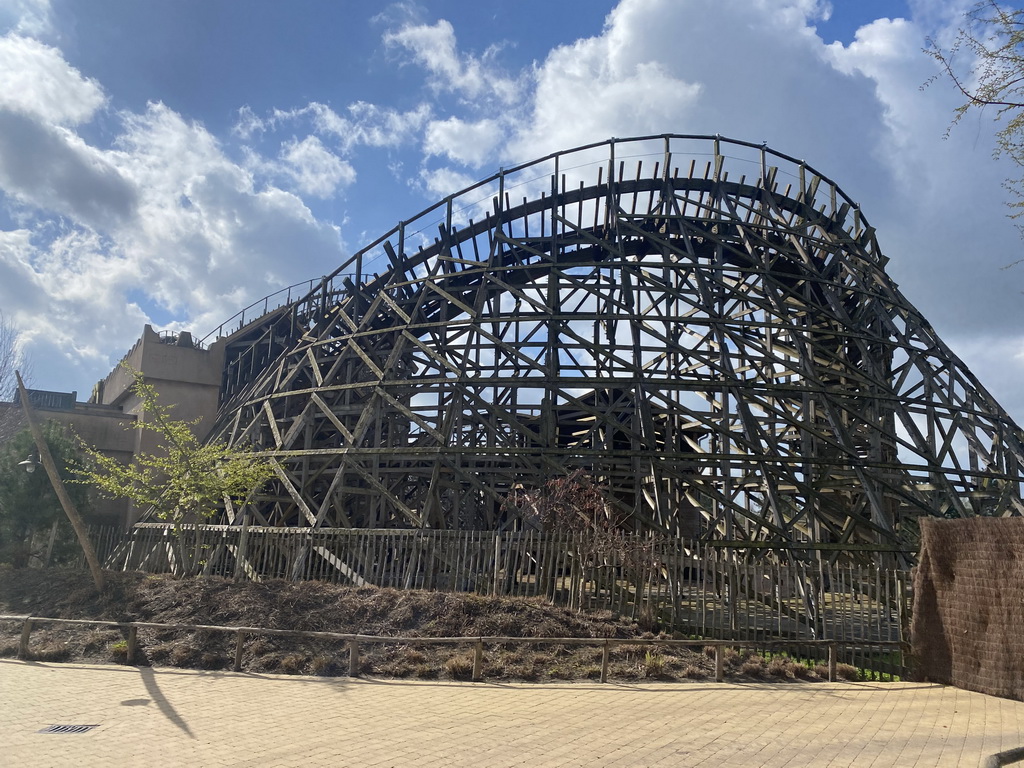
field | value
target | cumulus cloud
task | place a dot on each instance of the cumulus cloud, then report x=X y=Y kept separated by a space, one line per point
x=194 y=223
x=33 y=18
x=361 y=124
x=653 y=70
x=469 y=143
x=37 y=82
x=316 y=170
x=441 y=182
x=163 y=213
x=52 y=168
x=434 y=47
x=203 y=220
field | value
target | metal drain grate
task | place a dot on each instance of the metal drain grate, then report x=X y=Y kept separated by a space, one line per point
x=68 y=729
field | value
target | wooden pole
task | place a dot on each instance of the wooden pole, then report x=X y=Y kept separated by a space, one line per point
x=478 y=661
x=58 y=486
x=239 y=646
x=353 y=658
x=26 y=633
x=133 y=643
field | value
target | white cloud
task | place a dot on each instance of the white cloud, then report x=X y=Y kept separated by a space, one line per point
x=203 y=221
x=37 y=82
x=33 y=18
x=248 y=123
x=53 y=169
x=363 y=124
x=164 y=214
x=434 y=47
x=376 y=126
x=753 y=70
x=463 y=142
x=161 y=211
x=316 y=171
x=442 y=182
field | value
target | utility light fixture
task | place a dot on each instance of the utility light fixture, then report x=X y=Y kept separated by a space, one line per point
x=30 y=463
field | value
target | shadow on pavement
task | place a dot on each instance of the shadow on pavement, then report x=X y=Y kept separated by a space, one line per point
x=149 y=680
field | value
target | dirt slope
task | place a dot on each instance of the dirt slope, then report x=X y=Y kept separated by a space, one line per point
x=327 y=607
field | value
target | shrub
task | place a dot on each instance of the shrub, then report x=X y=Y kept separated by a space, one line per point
x=753 y=666
x=426 y=672
x=321 y=664
x=847 y=672
x=292 y=663
x=119 y=650
x=782 y=667
x=459 y=667
x=414 y=656
x=654 y=665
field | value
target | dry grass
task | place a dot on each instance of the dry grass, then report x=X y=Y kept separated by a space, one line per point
x=752 y=667
x=691 y=672
x=325 y=607
x=847 y=672
x=459 y=667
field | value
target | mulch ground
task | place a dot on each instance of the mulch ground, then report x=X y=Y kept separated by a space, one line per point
x=317 y=606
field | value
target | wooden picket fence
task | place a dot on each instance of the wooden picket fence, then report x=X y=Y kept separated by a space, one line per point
x=696 y=589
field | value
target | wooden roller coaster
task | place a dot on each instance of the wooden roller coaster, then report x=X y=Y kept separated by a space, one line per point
x=704 y=326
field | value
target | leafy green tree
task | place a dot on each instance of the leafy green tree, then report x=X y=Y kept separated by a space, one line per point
x=993 y=40
x=186 y=480
x=28 y=505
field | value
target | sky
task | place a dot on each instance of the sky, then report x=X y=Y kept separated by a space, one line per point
x=171 y=161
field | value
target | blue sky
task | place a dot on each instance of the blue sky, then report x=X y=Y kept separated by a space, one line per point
x=171 y=161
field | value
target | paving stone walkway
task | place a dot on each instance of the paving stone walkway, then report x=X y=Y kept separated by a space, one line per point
x=166 y=717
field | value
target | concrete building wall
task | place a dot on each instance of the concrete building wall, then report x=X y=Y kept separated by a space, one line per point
x=183 y=374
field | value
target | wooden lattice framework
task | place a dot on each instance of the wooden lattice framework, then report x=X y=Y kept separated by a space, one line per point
x=704 y=325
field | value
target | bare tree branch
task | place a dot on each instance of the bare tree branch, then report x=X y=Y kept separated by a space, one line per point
x=992 y=43
x=10 y=360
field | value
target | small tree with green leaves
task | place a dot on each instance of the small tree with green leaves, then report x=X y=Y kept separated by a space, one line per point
x=183 y=482
x=29 y=508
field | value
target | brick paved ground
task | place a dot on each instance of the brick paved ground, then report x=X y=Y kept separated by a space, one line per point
x=163 y=717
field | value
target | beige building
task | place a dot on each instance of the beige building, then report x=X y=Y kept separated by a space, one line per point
x=182 y=372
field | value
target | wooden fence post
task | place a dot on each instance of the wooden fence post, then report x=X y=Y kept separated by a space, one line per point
x=239 y=645
x=26 y=631
x=133 y=641
x=833 y=652
x=605 y=652
x=353 y=658
x=719 y=663
x=478 y=661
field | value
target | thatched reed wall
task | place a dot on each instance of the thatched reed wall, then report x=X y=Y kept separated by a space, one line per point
x=968 y=619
